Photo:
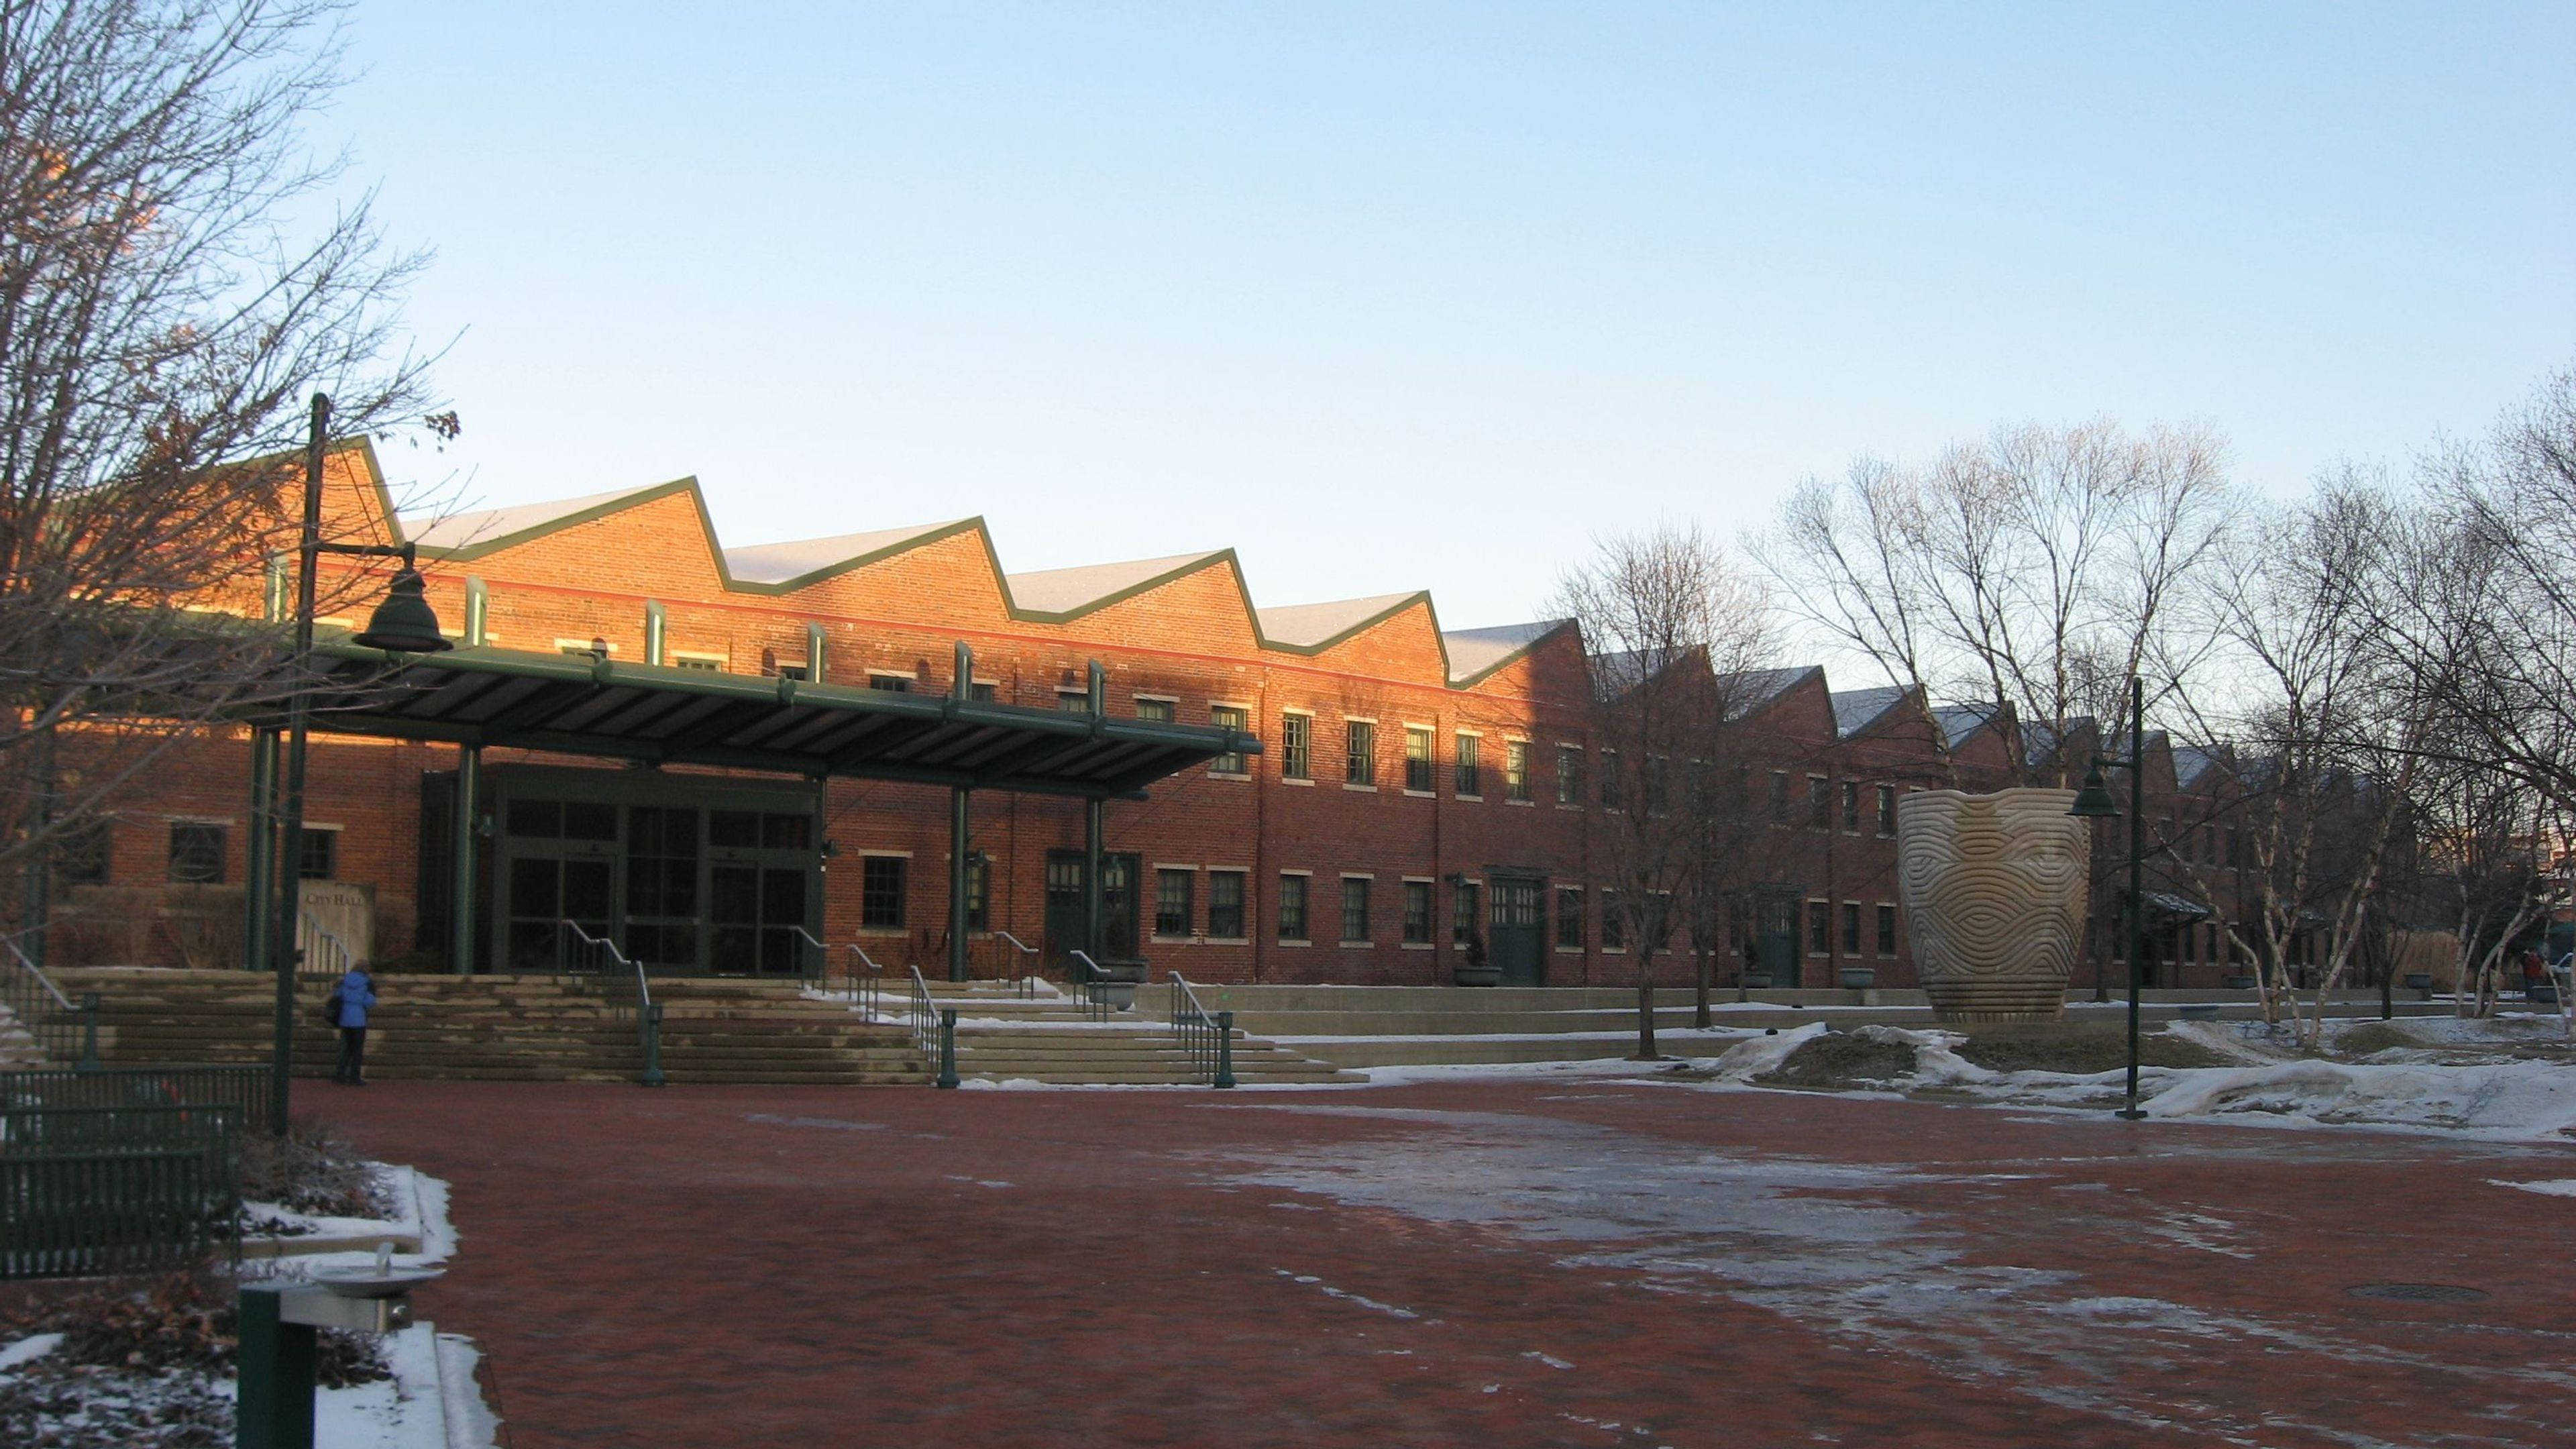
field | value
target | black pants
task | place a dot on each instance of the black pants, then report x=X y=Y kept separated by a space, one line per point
x=353 y=1053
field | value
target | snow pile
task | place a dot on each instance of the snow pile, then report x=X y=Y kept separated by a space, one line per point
x=2553 y=1187
x=1756 y=1055
x=2515 y=1100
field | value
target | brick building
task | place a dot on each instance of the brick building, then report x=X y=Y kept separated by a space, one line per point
x=1418 y=785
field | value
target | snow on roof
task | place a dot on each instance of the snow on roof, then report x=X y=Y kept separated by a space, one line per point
x=1751 y=689
x=1857 y=709
x=1473 y=651
x=776 y=563
x=1307 y=625
x=2191 y=762
x=490 y=525
x=1059 y=591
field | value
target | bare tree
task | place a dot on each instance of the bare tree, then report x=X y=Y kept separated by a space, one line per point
x=2039 y=569
x=1671 y=626
x=175 y=281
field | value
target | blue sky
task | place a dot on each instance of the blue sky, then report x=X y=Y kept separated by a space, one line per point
x=1391 y=297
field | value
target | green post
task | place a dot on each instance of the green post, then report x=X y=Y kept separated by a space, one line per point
x=653 y=1045
x=2137 y=876
x=959 y=803
x=947 y=1049
x=273 y=1408
x=261 y=886
x=40 y=873
x=1224 y=1049
x=460 y=902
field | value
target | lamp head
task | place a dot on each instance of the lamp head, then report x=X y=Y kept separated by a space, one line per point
x=2094 y=800
x=404 y=623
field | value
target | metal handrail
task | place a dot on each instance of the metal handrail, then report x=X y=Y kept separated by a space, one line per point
x=61 y=1028
x=311 y=933
x=934 y=1030
x=602 y=955
x=866 y=992
x=1028 y=979
x=1094 y=1001
x=815 y=974
x=1208 y=1036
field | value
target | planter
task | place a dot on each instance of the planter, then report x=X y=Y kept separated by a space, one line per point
x=2542 y=996
x=1993 y=887
x=2419 y=980
x=2199 y=1011
x=2240 y=983
x=1478 y=975
x=1117 y=982
x=1858 y=978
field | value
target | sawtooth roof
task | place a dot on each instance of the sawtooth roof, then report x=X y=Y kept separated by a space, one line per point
x=1308 y=625
x=1066 y=591
x=1857 y=709
x=806 y=558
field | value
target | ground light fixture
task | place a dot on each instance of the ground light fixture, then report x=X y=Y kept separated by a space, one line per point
x=2094 y=802
x=403 y=624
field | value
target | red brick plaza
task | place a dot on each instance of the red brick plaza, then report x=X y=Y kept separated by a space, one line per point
x=1532 y=1262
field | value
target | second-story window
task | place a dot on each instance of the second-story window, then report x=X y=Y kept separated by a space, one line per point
x=1516 y=771
x=1820 y=803
x=1417 y=759
x=1296 y=747
x=1887 y=810
x=1471 y=776
x=1610 y=786
x=1851 y=807
x=1155 y=711
x=1569 y=775
x=1779 y=797
x=1359 y=749
x=1227 y=717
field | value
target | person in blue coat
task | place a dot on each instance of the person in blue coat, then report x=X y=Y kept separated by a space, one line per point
x=355 y=993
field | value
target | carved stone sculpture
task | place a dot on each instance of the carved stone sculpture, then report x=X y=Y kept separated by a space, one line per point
x=1993 y=887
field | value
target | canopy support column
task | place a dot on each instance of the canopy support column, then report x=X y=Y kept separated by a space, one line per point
x=260 y=886
x=958 y=802
x=460 y=900
x=1093 y=812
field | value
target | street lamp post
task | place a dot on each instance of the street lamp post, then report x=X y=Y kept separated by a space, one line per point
x=404 y=624
x=2094 y=802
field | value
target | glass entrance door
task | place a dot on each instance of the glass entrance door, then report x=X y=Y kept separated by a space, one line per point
x=562 y=866
x=761 y=880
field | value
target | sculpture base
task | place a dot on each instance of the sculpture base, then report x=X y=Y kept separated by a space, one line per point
x=1975 y=1000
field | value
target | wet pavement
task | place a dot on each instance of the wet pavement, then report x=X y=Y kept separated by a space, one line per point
x=1511 y=1262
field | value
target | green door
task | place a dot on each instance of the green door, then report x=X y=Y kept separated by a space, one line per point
x=1518 y=926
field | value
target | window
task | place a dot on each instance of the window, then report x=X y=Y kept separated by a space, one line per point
x=1569 y=775
x=1465 y=906
x=82 y=854
x=1887 y=930
x=1614 y=927
x=1155 y=711
x=1225 y=905
x=891 y=683
x=1779 y=797
x=1851 y=928
x=196 y=854
x=1820 y=927
x=1516 y=771
x=319 y=859
x=982 y=691
x=1610 y=779
x=1417 y=759
x=1172 y=912
x=706 y=662
x=1887 y=810
x=1355 y=909
x=1471 y=779
x=1292 y=908
x=881 y=892
x=2235 y=856
x=979 y=894
x=1851 y=807
x=1417 y=913
x=1658 y=786
x=1359 y=751
x=1569 y=918
x=1820 y=803
x=1073 y=701
x=1296 y=737
x=1226 y=717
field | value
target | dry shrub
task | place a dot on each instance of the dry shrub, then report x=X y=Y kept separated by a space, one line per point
x=1840 y=1059
x=308 y=1170
x=179 y=1323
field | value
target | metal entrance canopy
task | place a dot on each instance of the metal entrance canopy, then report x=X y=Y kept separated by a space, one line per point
x=485 y=697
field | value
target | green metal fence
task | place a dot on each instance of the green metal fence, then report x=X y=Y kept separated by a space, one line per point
x=243 y=1089
x=89 y=1191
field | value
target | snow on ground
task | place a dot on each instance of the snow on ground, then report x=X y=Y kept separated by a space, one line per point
x=433 y=1373
x=2554 y=1187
